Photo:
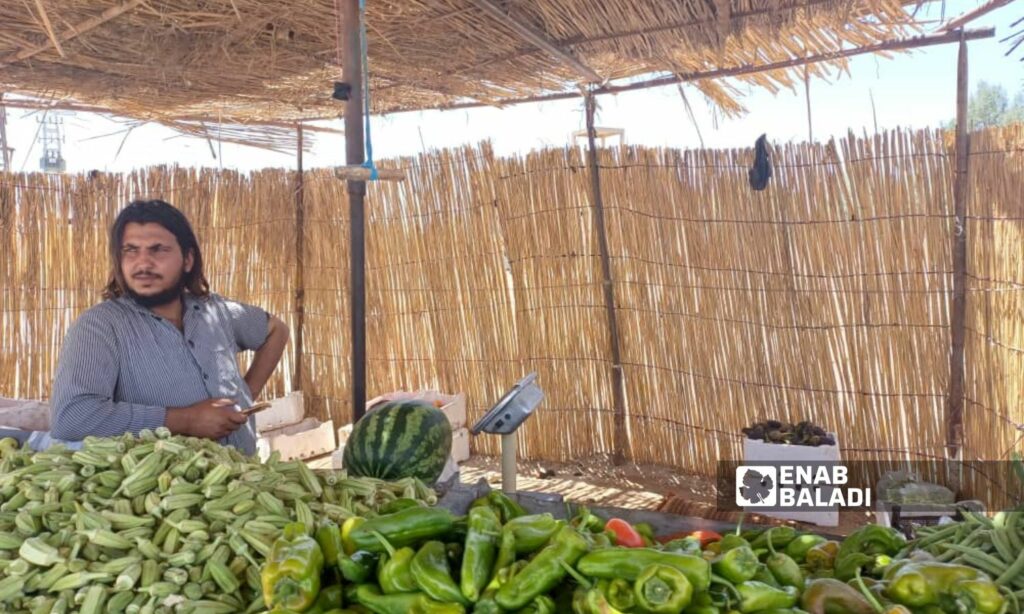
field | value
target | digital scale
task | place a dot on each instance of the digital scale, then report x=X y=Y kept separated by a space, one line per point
x=505 y=418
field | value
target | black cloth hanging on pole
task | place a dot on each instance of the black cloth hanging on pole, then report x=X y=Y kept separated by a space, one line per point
x=761 y=171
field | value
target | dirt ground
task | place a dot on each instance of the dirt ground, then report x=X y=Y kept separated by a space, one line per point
x=596 y=481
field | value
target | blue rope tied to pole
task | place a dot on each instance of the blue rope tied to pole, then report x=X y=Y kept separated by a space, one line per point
x=366 y=92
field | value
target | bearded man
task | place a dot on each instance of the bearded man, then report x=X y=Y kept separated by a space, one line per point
x=161 y=349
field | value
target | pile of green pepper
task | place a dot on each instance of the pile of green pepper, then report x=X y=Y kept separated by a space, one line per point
x=500 y=559
x=872 y=571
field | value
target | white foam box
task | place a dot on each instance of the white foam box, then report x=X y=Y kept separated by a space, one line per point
x=460 y=445
x=306 y=439
x=453 y=405
x=24 y=414
x=282 y=412
x=343 y=434
x=338 y=457
x=755 y=451
x=450 y=468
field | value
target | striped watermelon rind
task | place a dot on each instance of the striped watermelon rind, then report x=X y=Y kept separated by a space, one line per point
x=400 y=439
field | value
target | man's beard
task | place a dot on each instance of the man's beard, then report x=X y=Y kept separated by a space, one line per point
x=161 y=298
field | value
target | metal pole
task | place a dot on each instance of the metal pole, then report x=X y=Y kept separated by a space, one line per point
x=958 y=312
x=355 y=155
x=509 y=449
x=300 y=261
x=621 y=439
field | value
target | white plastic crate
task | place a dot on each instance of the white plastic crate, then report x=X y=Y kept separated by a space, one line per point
x=756 y=451
x=282 y=412
x=306 y=439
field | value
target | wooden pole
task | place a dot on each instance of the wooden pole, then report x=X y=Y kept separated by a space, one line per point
x=807 y=94
x=5 y=151
x=355 y=149
x=958 y=311
x=300 y=260
x=621 y=438
x=750 y=69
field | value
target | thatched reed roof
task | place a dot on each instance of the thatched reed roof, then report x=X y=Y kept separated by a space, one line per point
x=238 y=61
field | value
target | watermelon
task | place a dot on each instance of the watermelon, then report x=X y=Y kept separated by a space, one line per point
x=400 y=439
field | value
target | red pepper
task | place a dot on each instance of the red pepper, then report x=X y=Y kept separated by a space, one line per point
x=625 y=535
x=704 y=537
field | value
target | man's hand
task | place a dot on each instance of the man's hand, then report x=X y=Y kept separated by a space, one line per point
x=210 y=419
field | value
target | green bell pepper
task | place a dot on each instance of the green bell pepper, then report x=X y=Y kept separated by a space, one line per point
x=487 y=604
x=407 y=527
x=756 y=596
x=830 y=596
x=433 y=576
x=585 y=520
x=783 y=568
x=822 y=556
x=506 y=550
x=328 y=537
x=532 y=532
x=646 y=531
x=544 y=571
x=778 y=537
x=591 y=601
x=619 y=593
x=598 y=541
x=347 y=528
x=685 y=545
x=394 y=572
x=980 y=595
x=731 y=541
x=509 y=508
x=629 y=563
x=481 y=551
x=359 y=567
x=330 y=598
x=863 y=546
x=798 y=548
x=919 y=584
x=661 y=589
x=505 y=574
x=764 y=575
x=403 y=603
x=503 y=505
x=399 y=504
x=540 y=605
x=291 y=576
x=736 y=565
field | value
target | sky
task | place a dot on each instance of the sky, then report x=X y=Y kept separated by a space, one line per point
x=911 y=90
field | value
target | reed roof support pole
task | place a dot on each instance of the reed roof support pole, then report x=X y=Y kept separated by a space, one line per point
x=621 y=436
x=354 y=155
x=300 y=260
x=958 y=311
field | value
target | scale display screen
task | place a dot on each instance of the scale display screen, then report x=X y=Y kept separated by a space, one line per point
x=513 y=409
